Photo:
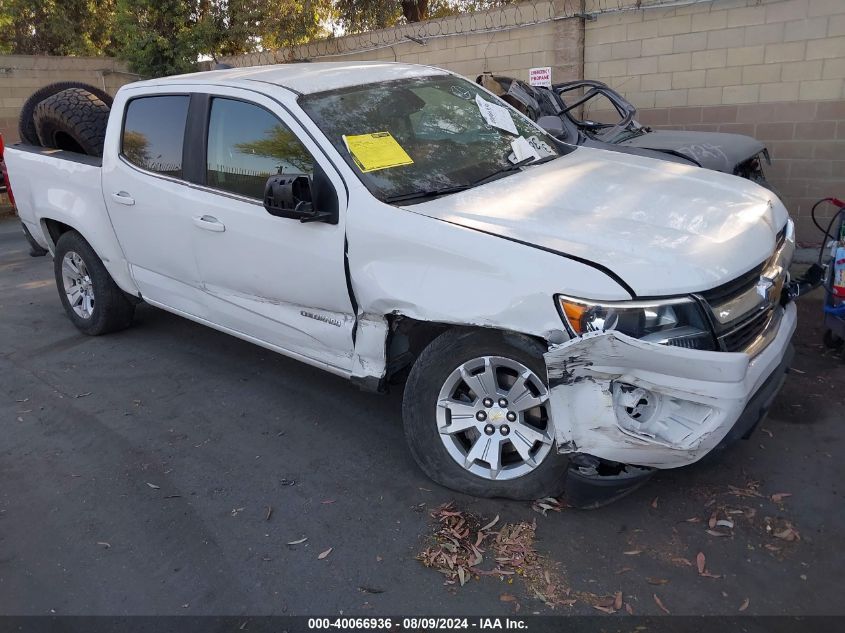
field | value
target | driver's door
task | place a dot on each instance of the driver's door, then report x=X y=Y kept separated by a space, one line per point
x=272 y=279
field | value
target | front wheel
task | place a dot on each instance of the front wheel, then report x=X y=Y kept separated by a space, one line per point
x=89 y=295
x=478 y=419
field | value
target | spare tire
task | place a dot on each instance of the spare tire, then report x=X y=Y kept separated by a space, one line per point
x=74 y=120
x=26 y=123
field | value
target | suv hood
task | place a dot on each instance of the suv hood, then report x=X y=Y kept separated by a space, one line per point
x=711 y=150
x=663 y=228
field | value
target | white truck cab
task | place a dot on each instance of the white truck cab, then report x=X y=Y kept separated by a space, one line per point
x=556 y=313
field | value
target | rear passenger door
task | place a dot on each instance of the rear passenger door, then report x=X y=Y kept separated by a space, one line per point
x=150 y=205
x=268 y=278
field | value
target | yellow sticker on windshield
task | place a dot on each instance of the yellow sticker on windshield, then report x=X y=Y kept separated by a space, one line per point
x=375 y=151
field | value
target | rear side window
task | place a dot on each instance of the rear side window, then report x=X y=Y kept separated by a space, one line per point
x=153 y=132
x=247 y=144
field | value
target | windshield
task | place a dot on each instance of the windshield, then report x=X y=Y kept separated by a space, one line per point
x=427 y=135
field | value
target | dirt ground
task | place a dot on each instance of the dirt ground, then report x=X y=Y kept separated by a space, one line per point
x=167 y=469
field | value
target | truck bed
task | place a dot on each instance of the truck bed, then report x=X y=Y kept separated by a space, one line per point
x=55 y=187
x=84 y=159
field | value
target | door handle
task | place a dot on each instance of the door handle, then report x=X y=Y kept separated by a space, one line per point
x=209 y=223
x=121 y=197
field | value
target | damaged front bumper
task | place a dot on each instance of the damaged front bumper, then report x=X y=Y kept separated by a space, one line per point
x=628 y=401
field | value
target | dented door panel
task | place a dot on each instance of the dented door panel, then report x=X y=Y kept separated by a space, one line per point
x=635 y=402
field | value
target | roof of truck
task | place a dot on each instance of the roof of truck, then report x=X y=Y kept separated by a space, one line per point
x=307 y=77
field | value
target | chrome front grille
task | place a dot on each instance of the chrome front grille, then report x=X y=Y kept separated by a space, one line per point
x=744 y=334
x=744 y=310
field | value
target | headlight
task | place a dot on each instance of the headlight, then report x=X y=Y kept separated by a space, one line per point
x=678 y=322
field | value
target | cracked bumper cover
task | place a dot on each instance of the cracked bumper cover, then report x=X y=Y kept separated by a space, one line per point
x=634 y=402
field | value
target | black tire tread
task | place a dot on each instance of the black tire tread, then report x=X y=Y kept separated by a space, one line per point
x=77 y=113
x=112 y=310
x=26 y=121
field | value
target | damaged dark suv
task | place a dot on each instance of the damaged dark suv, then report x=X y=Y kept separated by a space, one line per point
x=559 y=110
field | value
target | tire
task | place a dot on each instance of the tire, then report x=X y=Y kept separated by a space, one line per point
x=110 y=309
x=438 y=454
x=73 y=120
x=26 y=122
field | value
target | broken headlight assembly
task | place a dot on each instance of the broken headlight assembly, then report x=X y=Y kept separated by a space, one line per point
x=678 y=322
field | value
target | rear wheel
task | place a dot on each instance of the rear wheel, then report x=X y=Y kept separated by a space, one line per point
x=477 y=416
x=88 y=293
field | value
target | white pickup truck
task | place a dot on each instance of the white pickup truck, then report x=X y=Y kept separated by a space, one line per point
x=555 y=313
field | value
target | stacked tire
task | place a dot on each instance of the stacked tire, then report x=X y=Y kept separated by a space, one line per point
x=67 y=115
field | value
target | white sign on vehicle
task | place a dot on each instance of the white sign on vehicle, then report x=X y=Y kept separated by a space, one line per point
x=496 y=115
x=540 y=76
x=522 y=149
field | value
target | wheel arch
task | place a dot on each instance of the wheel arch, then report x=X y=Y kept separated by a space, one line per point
x=53 y=228
x=408 y=336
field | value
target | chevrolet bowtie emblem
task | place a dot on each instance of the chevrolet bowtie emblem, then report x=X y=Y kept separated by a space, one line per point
x=764 y=286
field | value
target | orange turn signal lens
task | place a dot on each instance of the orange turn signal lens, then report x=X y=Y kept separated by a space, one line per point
x=573 y=313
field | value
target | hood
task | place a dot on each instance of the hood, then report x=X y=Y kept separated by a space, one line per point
x=711 y=150
x=663 y=228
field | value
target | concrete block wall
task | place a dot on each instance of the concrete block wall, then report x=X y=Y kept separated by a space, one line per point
x=467 y=44
x=774 y=69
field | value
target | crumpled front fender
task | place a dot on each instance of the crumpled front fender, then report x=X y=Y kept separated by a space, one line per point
x=635 y=402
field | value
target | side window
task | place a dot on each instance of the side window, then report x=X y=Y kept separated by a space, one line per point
x=153 y=132
x=247 y=145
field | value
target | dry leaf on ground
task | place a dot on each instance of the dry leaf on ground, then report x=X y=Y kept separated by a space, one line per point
x=660 y=604
x=744 y=604
x=322 y=555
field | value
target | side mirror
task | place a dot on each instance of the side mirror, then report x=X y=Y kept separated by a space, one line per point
x=553 y=125
x=290 y=196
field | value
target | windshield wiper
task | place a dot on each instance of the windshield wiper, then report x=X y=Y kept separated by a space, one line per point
x=424 y=194
x=504 y=171
x=427 y=194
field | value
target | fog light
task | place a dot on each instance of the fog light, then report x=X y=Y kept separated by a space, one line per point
x=658 y=418
x=634 y=405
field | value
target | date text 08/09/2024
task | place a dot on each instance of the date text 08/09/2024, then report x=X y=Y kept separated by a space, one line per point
x=417 y=624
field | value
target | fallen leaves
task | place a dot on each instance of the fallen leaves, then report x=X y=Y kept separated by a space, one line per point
x=701 y=562
x=153 y=486
x=657 y=581
x=545 y=504
x=324 y=554
x=788 y=533
x=780 y=496
x=461 y=545
x=660 y=604
x=744 y=604
x=633 y=552
x=297 y=542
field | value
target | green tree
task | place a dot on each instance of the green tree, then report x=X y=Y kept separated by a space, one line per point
x=356 y=16
x=56 y=27
x=156 y=37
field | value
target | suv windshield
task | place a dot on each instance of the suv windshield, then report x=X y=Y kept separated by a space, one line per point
x=413 y=139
